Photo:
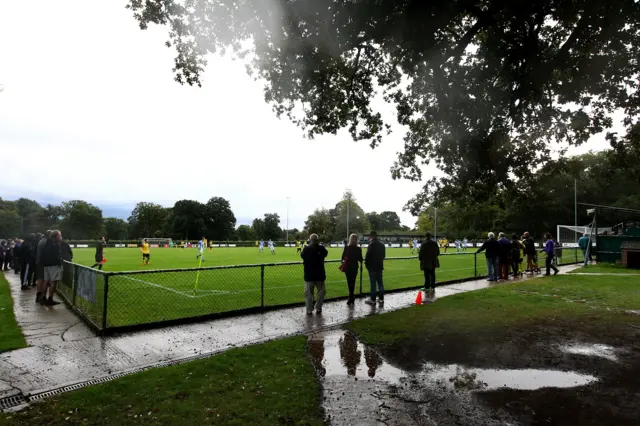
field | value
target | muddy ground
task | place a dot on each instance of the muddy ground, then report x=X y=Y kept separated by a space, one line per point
x=569 y=373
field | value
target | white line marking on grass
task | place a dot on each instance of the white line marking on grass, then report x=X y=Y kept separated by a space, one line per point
x=158 y=286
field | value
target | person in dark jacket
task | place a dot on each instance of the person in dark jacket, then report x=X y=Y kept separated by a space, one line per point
x=313 y=257
x=51 y=259
x=41 y=284
x=504 y=258
x=25 y=261
x=549 y=249
x=4 y=255
x=17 y=252
x=100 y=253
x=532 y=254
x=428 y=257
x=491 y=248
x=374 y=261
x=516 y=259
x=351 y=260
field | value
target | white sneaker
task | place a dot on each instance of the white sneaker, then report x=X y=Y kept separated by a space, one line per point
x=370 y=302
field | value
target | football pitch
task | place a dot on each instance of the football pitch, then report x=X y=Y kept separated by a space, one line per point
x=232 y=279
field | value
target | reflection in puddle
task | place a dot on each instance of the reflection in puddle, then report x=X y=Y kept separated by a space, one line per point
x=339 y=353
x=602 y=351
x=361 y=388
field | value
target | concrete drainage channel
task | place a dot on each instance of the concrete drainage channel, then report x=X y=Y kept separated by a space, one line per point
x=19 y=401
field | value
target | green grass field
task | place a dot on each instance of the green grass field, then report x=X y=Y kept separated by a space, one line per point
x=10 y=334
x=148 y=295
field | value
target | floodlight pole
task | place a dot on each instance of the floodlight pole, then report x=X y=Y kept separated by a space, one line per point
x=435 y=223
x=575 y=209
x=287 y=237
x=348 y=202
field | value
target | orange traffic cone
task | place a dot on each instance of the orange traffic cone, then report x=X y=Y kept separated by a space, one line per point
x=419 y=298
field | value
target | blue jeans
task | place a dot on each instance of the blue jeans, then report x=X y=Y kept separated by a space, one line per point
x=492 y=268
x=375 y=278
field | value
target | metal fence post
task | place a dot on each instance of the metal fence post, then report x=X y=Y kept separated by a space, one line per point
x=106 y=298
x=475 y=265
x=74 y=286
x=361 y=278
x=262 y=286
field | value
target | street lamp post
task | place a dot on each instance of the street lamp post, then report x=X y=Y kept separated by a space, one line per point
x=435 y=223
x=348 y=202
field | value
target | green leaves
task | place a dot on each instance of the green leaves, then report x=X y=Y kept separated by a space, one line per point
x=484 y=88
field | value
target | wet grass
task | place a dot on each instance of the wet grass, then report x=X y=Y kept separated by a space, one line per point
x=160 y=296
x=597 y=298
x=272 y=383
x=10 y=334
x=605 y=268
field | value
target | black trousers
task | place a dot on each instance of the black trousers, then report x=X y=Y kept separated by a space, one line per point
x=351 y=284
x=549 y=264
x=429 y=278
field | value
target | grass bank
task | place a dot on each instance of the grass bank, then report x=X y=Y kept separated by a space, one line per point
x=605 y=268
x=272 y=383
x=10 y=334
x=600 y=299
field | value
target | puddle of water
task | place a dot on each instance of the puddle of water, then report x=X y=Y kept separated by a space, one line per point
x=489 y=379
x=602 y=351
x=339 y=353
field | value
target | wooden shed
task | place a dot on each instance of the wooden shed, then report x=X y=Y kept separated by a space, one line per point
x=631 y=254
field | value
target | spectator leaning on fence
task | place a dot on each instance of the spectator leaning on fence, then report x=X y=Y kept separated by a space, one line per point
x=374 y=261
x=516 y=259
x=491 y=248
x=313 y=257
x=99 y=258
x=351 y=260
x=428 y=257
x=52 y=263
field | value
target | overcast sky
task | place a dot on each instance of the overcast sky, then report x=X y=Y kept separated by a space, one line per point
x=86 y=89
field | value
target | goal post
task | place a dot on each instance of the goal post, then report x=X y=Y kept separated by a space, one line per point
x=161 y=242
x=568 y=235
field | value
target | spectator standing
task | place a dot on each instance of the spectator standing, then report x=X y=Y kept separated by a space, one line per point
x=504 y=258
x=584 y=243
x=428 y=257
x=26 y=272
x=67 y=256
x=516 y=259
x=351 y=260
x=374 y=261
x=532 y=254
x=4 y=256
x=313 y=257
x=17 y=253
x=41 y=284
x=549 y=249
x=51 y=259
x=491 y=248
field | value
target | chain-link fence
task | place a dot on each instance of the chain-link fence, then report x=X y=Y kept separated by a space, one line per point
x=117 y=300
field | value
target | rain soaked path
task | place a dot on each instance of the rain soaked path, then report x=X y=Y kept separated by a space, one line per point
x=64 y=352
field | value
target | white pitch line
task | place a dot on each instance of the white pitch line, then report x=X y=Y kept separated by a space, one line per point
x=159 y=286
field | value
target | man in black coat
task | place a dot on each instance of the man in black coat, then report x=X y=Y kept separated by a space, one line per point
x=374 y=261
x=491 y=248
x=313 y=257
x=428 y=256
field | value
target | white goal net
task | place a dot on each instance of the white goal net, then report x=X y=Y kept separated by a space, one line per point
x=157 y=241
x=569 y=235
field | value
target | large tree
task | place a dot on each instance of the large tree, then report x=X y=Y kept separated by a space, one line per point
x=245 y=233
x=115 y=229
x=220 y=220
x=187 y=220
x=320 y=222
x=81 y=220
x=147 y=220
x=350 y=217
x=272 y=229
x=484 y=88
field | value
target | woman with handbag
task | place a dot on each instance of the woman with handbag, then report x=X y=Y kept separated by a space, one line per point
x=351 y=259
